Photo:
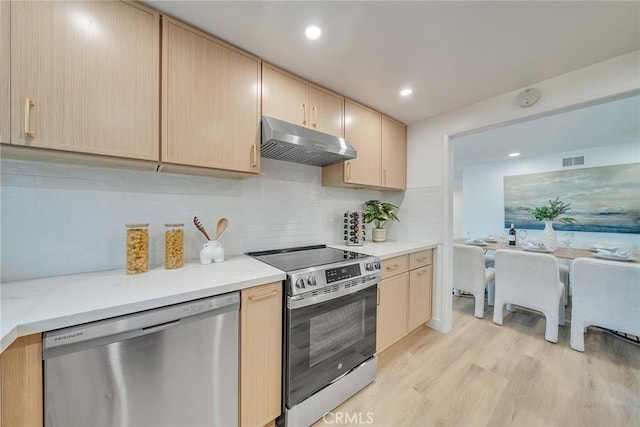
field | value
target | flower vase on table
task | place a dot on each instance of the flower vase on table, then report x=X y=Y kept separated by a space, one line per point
x=548 y=214
x=549 y=234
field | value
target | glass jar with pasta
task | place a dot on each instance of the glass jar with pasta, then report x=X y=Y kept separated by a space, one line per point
x=137 y=248
x=174 y=245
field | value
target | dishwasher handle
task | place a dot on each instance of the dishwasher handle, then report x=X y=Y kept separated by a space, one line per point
x=136 y=324
x=161 y=326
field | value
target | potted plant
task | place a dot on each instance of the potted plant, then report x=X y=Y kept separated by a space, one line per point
x=550 y=213
x=379 y=213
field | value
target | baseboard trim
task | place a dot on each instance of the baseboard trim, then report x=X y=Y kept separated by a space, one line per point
x=436 y=324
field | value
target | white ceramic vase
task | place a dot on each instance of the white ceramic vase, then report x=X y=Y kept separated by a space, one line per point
x=379 y=234
x=549 y=235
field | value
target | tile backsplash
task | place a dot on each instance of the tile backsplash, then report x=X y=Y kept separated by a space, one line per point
x=61 y=219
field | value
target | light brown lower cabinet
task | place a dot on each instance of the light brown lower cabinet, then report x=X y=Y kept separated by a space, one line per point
x=404 y=296
x=420 y=284
x=21 y=383
x=392 y=308
x=260 y=354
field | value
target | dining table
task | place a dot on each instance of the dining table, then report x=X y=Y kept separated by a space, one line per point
x=559 y=252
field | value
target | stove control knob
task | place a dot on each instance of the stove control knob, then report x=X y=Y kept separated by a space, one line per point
x=300 y=283
x=369 y=266
x=377 y=265
x=311 y=280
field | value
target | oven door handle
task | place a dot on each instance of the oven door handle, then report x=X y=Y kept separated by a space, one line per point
x=307 y=299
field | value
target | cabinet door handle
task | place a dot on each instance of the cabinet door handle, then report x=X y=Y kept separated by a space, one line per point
x=391 y=268
x=348 y=171
x=377 y=296
x=315 y=116
x=28 y=105
x=304 y=111
x=421 y=259
x=263 y=296
x=254 y=155
x=421 y=272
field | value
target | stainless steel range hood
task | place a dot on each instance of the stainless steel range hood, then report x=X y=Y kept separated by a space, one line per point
x=293 y=143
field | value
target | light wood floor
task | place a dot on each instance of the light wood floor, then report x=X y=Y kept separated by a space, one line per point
x=482 y=374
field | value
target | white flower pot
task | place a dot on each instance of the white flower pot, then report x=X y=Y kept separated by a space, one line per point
x=549 y=235
x=379 y=234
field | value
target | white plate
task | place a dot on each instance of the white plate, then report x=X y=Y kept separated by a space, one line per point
x=614 y=257
x=533 y=249
x=476 y=242
x=490 y=240
x=604 y=248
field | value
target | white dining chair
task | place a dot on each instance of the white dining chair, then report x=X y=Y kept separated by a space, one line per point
x=564 y=278
x=489 y=259
x=605 y=294
x=470 y=274
x=530 y=280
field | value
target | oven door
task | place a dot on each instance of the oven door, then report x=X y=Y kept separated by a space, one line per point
x=327 y=339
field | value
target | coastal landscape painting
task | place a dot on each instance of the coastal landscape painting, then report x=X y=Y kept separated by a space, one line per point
x=603 y=199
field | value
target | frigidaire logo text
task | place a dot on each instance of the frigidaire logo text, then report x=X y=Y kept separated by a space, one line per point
x=324 y=147
x=69 y=336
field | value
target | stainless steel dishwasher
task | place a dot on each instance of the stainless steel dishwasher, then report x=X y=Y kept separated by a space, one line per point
x=171 y=366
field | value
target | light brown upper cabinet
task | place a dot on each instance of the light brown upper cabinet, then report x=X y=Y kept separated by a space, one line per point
x=294 y=100
x=210 y=101
x=85 y=77
x=5 y=71
x=362 y=130
x=394 y=154
x=381 y=144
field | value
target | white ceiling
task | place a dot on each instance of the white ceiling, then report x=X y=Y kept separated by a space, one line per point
x=609 y=123
x=451 y=53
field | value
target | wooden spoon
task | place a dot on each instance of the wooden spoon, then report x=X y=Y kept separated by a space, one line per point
x=222 y=225
x=200 y=227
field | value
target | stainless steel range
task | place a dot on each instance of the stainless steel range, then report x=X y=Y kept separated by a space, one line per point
x=329 y=329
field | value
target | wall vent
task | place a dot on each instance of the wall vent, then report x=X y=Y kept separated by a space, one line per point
x=573 y=161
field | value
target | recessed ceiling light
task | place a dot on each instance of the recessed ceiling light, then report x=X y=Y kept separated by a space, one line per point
x=313 y=32
x=406 y=92
x=514 y=154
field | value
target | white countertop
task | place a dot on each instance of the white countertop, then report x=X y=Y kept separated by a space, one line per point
x=388 y=249
x=38 y=305
x=31 y=306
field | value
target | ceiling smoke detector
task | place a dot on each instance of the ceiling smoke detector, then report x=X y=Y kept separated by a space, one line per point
x=528 y=97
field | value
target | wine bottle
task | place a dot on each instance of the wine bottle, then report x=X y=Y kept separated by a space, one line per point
x=512 y=235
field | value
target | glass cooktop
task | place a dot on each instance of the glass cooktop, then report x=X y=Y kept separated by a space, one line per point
x=292 y=259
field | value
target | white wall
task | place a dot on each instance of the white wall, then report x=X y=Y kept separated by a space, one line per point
x=457 y=203
x=60 y=219
x=429 y=161
x=483 y=190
